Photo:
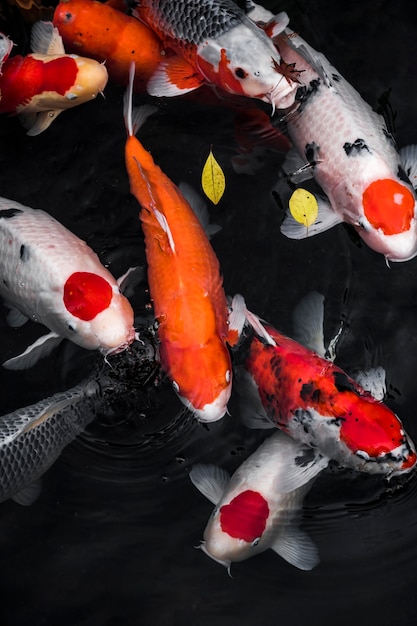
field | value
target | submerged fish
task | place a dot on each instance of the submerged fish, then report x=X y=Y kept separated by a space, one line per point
x=51 y=276
x=41 y=85
x=103 y=33
x=185 y=283
x=32 y=438
x=316 y=402
x=216 y=43
x=255 y=509
x=346 y=146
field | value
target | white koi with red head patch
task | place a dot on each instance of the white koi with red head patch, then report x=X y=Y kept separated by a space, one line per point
x=49 y=275
x=346 y=146
x=39 y=86
x=217 y=44
x=255 y=509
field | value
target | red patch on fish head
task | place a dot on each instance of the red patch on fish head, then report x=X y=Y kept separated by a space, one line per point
x=245 y=516
x=389 y=206
x=59 y=75
x=223 y=76
x=86 y=295
x=370 y=426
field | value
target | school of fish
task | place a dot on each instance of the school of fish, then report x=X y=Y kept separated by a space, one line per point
x=209 y=344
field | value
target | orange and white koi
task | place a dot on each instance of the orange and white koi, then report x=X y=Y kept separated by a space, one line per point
x=103 y=33
x=185 y=283
x=41 y=85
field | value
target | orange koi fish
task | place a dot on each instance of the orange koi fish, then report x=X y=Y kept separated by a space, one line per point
x=103 y=33
x=184 y=281
x=41 y=85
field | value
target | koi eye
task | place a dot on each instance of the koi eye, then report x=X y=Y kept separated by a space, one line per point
x=71 y=96
x=227 y=376
x=216 y=510
x=257 y=73
x=240 y=73
x=255 y=542
x=71 y=328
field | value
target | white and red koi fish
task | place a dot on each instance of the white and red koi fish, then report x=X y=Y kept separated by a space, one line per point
x=317 y=403
x=217 y=44
x=49 y=275
x=185 y=282
x=41 y=85
x=346 y=147
x=255 y=508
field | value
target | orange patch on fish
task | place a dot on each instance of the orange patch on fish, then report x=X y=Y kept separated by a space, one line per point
x=389 y=206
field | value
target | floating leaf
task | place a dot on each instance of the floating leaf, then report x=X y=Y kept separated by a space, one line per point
x=212 y=179
x=304 y=207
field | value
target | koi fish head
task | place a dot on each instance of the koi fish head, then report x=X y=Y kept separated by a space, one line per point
x=201 y=377
x=236 y=531
x=389 y=224
x=98 y=315
x=358 y=432
x=91 y=80
x=244 y=61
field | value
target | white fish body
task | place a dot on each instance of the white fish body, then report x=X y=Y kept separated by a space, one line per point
x=346 y=146
x=49 y=275
x=255 y=509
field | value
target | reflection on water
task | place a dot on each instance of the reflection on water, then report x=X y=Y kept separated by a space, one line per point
x=111 y=539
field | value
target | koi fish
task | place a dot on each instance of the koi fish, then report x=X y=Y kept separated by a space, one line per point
x=216 y=43
x=255 y=509
x=39 y=86
x=317 y=403
x=32 y=438
x=103 y=33
x=345 y=145
x=184 y=279
x=51 y=276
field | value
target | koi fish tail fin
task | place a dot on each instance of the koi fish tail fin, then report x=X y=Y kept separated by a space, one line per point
x=240 y=316
x=134 y=117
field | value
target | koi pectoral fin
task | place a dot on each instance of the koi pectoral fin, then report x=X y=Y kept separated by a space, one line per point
x=40 y=348
x=174 y=77
x=210 y=480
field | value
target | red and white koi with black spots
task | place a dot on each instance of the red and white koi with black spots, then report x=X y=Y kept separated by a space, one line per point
x=49 y=275
x=345 y=145
x=317 y=403
x=41 y=85
x=256 y=506
x=217 y=44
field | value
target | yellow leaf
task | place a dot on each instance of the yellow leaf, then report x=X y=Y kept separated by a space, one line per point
x=212 y=179
x=304 y=207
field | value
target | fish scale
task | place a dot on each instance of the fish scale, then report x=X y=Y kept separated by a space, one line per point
x=190 y=21
x=33 y=437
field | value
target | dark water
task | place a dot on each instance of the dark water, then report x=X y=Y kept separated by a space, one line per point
x=111 y=539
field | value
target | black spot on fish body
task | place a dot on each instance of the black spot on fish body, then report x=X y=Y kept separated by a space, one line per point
x=342 y=382
x=6 y=213
x=24 y=253
x=388 y=136
x=304 y=93
x=336 y=77
x=311 y=150
x=355 y=148
x=306 y=391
